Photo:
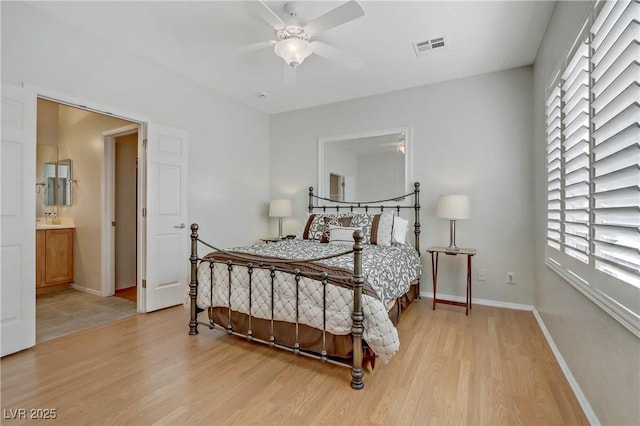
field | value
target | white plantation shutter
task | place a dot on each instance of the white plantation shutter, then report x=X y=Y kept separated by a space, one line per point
x=554 y=177
x=575 y=153
x=593 y=163
x=616 y=121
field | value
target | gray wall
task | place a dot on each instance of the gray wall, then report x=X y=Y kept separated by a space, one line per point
x=228 y=141
x=472 y=135
x=603 y=356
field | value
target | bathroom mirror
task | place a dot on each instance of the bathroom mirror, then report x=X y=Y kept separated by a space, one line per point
x=368 y=166
x=57 y=180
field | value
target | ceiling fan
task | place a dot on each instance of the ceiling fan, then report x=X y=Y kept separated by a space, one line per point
x=294 y=42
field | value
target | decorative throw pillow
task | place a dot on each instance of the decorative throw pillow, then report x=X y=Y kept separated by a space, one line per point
x=400 y=229
x=382 y=228
x=314 y=226
x=333 y=221
x=364 y=222
x=342 y=234
x=377 y=228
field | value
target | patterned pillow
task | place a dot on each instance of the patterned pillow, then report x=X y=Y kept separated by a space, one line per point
x=377 y=228
x=314 y=226
x=335 y=222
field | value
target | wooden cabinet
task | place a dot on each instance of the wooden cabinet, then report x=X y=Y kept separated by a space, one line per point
x=54 y=259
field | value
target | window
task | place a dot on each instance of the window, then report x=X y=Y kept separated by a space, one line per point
x=593 y=163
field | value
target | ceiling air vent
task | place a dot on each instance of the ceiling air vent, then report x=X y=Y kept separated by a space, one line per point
x=423 y=47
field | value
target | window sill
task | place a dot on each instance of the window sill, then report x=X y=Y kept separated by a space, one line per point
x=627 y=319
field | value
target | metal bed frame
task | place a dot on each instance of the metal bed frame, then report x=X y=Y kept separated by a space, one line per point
x=272 y=265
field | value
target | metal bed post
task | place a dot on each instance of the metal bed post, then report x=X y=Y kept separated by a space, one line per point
x=357 y=316
x=416 y=207
x=193 y=284
x=416 y=225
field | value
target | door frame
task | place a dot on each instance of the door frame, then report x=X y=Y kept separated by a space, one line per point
x=36 y=92
x=107 y=282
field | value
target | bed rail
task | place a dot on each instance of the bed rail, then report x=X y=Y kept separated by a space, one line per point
x=252 y=262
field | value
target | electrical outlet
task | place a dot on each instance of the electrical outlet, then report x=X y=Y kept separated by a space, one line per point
x=511 y=278
x=482 y=275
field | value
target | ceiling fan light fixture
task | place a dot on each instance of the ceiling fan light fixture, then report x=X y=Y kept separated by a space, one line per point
x=293 y=50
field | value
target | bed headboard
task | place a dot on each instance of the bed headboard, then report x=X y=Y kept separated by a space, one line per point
x=379 y=205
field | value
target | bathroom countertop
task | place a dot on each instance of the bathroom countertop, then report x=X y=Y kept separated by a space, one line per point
x=65 y=223
x=40 y=226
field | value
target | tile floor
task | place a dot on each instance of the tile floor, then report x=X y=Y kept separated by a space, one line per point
x=69 y=311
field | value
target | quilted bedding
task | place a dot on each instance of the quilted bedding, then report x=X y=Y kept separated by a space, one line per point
x=388 y=273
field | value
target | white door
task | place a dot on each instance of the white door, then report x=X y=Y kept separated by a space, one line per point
x=167 y=239
x=18 y=224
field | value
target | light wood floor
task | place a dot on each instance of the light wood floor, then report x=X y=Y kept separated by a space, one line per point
x=492 y=367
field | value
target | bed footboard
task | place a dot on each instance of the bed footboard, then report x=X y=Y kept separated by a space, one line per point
x=288 y=267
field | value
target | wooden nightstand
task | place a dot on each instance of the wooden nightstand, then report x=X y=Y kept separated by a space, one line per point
x=435 y=251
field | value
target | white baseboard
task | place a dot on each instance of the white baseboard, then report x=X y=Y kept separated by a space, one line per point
x=86 y=289
x=582 y=399
x=485 y=302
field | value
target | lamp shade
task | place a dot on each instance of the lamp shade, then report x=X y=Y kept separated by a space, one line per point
x=293 y=50
x=280 y=208
x=453 y=207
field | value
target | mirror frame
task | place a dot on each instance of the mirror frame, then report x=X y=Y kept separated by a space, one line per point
x=408 y=170
x=68 y=187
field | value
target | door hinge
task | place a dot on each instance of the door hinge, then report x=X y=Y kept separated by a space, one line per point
x=144 y=212
x=144 y=283
x=144 y=143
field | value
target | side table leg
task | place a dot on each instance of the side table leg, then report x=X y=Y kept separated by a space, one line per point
x=434 y=274
x=468 y=283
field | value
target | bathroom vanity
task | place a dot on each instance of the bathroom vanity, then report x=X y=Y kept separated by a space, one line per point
x=54 y=257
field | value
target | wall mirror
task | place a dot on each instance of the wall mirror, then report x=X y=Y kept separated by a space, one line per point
x=368 y=166
x=55 y=185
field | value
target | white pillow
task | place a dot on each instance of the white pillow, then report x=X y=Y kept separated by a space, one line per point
x=400 y=229
x=342 y=234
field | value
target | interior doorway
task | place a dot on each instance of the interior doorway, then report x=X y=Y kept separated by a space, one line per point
x=121 y=174
x=124 y=219
x=336 y=187
x=68 y=220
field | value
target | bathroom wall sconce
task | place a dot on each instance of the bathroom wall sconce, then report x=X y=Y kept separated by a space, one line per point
x=41 y=186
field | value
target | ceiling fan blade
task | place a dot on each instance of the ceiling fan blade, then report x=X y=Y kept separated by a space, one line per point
x=255 y=46
x=289 y=75
x=337 y=55
x=338 y=16
x=264 y=12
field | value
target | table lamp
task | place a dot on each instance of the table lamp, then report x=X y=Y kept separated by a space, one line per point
x=280 y=209
x=453 y=207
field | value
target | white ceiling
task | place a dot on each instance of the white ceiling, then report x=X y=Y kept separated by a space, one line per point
x=202 y=39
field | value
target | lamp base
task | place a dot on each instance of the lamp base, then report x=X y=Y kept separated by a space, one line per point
x=452 y=236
